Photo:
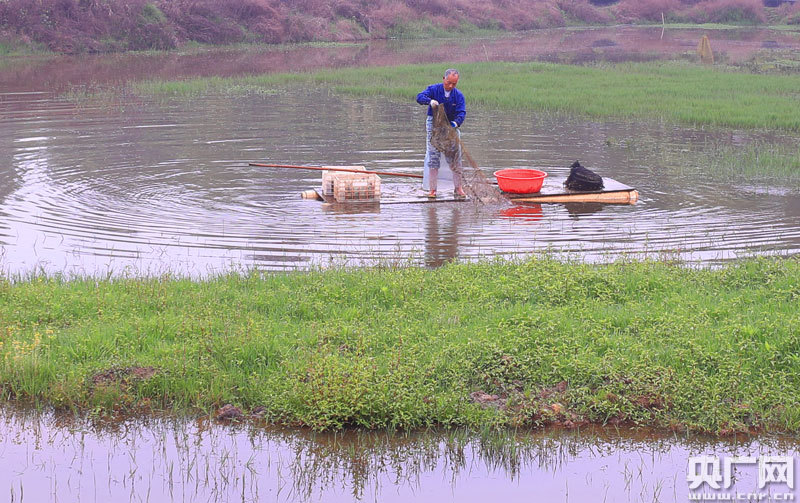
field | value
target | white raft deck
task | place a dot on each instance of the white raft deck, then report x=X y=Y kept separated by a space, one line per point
x=553 y=191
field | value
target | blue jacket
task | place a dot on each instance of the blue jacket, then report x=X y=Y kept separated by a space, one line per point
x=454 y=106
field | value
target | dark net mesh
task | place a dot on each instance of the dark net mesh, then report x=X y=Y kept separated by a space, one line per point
x=583 y=179
x=444 y=138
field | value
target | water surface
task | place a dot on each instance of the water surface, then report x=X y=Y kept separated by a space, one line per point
x=144 y=186
x=56 y=458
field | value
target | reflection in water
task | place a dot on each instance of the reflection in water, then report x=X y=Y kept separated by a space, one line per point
x=442 y=222
x=530 y=212
x=352 y=208
x=58 y=457
x=576 y=210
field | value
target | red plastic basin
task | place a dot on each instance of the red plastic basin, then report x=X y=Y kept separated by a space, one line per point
x=520 y=181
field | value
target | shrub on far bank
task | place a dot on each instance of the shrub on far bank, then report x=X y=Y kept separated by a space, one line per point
x=545 y=14
x=76 y=26
x=728 y=11
x=789 y=13
x=585 y=12
x=110 y=25
x=645 y=10
x=693 y=11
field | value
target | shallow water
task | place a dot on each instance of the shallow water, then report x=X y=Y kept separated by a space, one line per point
x=52 y=458
x=144 y=186
x=158 y=187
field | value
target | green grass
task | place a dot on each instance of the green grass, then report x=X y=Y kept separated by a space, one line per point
x=13 y=52
x=677 y=92
x=642 y=342
x=775 y=61
x=772 y=161
x=758 y=161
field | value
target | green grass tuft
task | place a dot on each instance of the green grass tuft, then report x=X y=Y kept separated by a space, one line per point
x=547 y=342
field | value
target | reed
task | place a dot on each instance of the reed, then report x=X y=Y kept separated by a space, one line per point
x=651 y=343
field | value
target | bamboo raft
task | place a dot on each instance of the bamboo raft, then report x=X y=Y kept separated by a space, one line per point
x=553 y=190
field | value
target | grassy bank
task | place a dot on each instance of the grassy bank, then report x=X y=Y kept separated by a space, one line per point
x=16 y=53
x=678 y=92
x=495 y=344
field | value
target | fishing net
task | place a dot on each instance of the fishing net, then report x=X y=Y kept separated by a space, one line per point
x=445 y=139
x=583 y=179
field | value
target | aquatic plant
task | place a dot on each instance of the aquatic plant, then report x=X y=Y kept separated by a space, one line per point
x=757 y=161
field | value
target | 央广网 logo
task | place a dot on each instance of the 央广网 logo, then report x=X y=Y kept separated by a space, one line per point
x=711 y=478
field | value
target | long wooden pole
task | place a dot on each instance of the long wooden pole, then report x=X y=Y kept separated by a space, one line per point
x=332 y=168
x=617 y=197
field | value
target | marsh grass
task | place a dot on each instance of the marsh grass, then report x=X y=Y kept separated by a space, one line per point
x=673 y=92
x=757 y=161
x=776 y=61
x=385 y=348
x=678 y=92
x=19 y=54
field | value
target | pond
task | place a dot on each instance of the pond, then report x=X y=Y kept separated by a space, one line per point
x=144 y=186
x=147 y=186
x=52 y=457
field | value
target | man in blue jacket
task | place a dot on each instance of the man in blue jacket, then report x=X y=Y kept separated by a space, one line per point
x=446 y=95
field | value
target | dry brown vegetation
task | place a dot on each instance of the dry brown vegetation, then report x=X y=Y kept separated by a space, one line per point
x=115 y=25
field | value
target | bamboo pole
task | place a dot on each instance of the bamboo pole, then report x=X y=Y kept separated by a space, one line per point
x=334 y=168
x=619 y=197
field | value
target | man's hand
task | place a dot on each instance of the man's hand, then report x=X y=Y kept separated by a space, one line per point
x=434 y=103
x=453 y=123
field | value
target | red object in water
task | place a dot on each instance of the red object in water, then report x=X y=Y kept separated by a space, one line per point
x=532 y=212
x=520 y=181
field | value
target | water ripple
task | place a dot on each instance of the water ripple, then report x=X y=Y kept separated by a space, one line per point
x=167 y=186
